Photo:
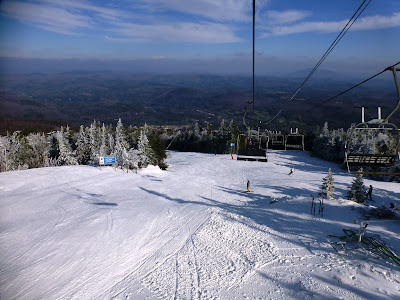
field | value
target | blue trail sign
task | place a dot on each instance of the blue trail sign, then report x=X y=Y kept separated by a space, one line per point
x=107 y=160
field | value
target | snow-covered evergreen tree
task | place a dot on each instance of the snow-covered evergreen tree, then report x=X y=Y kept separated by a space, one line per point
x=82 y=151
x=111 y=143
x=158 y=149
x=104 y=144
x=223 y=130
x=329 y=145
x=4 y=152
x=133 y=156
x=146 y=154
x=325 y=130
x=40 y=150
x=94 y=143
x=210 y=130
x=19 y=152
x=132 y=134
x=65 y=157
x=196 y=132
x=54 y=151
x=121 y=146
x=357 y=190
x=327 y=187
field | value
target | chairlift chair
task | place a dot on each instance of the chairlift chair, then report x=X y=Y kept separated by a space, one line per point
x=250 y=149
x=276 y=140
x=374 y=143
x=294 y=140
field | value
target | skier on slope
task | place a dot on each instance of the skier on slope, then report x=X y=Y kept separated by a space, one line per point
x=248 y=185
x=291 y=171
x=369 y=194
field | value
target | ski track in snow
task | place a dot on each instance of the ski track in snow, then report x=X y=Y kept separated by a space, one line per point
x=188 y=233
x=216 y=257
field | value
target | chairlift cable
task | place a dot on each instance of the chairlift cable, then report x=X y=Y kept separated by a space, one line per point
x=251 y=101
x=254 y=25
x=331 y=47
x=340 y=94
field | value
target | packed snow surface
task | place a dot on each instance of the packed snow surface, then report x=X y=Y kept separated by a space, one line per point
x=191 y=232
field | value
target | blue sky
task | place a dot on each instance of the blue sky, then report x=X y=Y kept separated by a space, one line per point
x=203 y=35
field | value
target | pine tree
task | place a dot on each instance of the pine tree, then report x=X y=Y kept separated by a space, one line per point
x=133 y=159
x=196 y=132
x=210 y=130
x=19 y=152
x=82 y=151
x=121 y=146
x=40 y=150
x=65 y=157
x=146 y=154
x=54 y=151
x=4 y=148
x=223 y=131
x=158 y=148
x=325 y=129
x=132 y=136
x=357 y=190
x=104 y=145
x=94 y=143
x=327 y=187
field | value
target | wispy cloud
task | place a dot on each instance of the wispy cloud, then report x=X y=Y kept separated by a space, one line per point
x=136 y=23
x=80 y=6
x=217 y=10
x=206 y=32
x=47 y=17
x=378 y=22
x=286 y=17
x=366 y=23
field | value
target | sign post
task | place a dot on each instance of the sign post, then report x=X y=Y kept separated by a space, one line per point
x=232 y=148
x=107 y=160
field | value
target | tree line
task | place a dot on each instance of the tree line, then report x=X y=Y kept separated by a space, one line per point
x=132 y=147
x=203 y=139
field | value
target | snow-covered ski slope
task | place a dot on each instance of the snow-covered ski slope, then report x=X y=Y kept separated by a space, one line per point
x=190 y=232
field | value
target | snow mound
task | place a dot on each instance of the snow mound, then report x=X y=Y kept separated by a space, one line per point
x=151 y=170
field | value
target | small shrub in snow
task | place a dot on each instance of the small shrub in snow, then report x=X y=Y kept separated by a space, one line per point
x=357 y=190
x=382 y=212
x=327 y=187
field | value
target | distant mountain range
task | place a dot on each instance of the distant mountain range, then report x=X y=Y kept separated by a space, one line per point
x=78 y=97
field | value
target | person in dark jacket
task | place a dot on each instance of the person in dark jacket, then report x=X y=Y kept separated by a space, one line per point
x=369 y=194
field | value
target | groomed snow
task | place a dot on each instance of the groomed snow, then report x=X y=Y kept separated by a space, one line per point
x=190 y=232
